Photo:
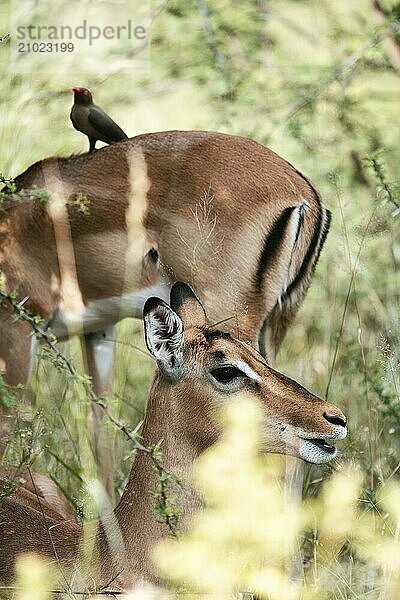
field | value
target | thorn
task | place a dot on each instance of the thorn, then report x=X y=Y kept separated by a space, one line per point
x=23 y=301
x=138 y=427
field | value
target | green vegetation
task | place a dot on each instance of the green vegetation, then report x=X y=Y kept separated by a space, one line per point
x=319 y=83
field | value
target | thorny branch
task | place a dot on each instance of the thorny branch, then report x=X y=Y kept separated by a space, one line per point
x=165 y=478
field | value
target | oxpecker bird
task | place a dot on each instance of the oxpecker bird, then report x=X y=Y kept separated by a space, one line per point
x=92 y=120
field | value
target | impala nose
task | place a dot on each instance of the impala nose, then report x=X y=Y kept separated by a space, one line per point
x=335 y=419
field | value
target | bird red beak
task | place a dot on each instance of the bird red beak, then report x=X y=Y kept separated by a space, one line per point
x=76 y=90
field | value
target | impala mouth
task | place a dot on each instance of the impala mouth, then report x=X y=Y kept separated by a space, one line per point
x=323 y=444
x=317 y=450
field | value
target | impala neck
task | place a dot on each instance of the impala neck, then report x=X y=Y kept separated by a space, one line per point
x=139 y=526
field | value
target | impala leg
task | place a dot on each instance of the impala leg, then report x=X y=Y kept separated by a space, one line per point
x=99 y=352
x=14 y=363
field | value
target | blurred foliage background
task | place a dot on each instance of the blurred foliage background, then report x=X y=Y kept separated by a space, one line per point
x=319 y=83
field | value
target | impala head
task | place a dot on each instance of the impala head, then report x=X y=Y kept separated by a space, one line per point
x=205 y=368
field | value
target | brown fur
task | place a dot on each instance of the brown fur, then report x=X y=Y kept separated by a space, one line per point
x=36 y=488
x=200 y=181
x=217 y=214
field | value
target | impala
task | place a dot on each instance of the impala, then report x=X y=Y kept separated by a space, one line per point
x=199 y=370
x=241 y=225
x=35 y=488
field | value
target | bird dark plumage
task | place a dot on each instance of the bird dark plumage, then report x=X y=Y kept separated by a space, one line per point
x=92 y=120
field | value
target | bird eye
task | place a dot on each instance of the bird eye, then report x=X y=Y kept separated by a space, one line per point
x=226 y=374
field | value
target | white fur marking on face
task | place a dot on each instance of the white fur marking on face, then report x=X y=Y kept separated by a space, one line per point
x=313 y=453
x=243 y=366
x=339 y=433
x=301 y=443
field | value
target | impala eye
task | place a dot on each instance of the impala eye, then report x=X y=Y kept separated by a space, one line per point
x=226 y=374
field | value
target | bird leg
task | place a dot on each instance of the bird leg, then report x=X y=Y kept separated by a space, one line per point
x=92 y=145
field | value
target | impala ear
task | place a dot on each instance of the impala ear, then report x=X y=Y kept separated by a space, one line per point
x=164 y=335
x=185 y=302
